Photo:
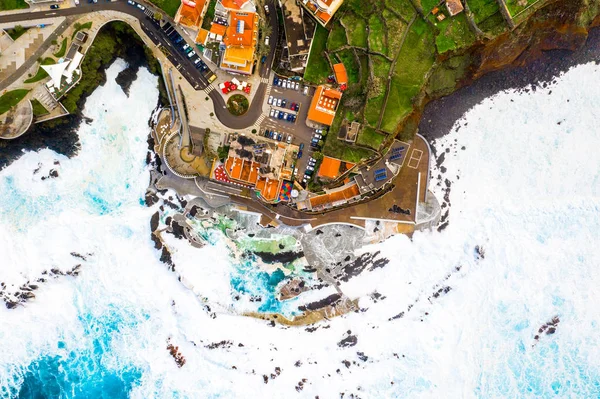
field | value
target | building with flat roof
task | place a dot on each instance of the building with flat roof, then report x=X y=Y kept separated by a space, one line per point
x=240 y=40
x=322 y=10
x=454 y=7
x=324 y=104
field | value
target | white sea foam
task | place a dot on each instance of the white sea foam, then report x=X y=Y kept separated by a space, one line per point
x=528 y=194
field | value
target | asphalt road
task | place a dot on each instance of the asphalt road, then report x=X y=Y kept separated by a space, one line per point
x=187 y=69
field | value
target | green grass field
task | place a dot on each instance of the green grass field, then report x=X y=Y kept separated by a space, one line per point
x=454 y=34
x=483 y=9
x=381 y=66
x=349 y=60
x=169 y=6
x=41 y=74
x=493 y=25
x=11 y=98
x=377 y=36
x=395 y=28
x=318 y=67
x=356 y=28
x=38 y=108
x=514 y=8
x=12 y=5
x=16 y=32
x=63 y=49
x=414 y=61
x=373 y=109
x=370 y=137
x=428 y=5
x=402 y=7
x=337 y=37
x=363 y=8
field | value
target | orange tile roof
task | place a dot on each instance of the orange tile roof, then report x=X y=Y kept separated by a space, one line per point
x=330 y=167
x=233 y=4
x=191 y=12
x=202 y=35
x=246 y=38
x=218 y=29
x=323 y=105
x=336 y=196
x=268 y=189
x=323 y=16
x=341 y=76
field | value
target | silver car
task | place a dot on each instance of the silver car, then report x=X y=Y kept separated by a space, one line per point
x=279 y=102
x=297 y=86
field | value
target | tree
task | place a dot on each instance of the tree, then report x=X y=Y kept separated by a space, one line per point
x=318 y=155
x=320 y=143
x=158 y=16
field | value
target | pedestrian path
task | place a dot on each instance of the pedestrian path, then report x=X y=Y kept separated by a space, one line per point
x=209 y=88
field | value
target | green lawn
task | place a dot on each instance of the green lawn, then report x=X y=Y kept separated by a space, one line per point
x=337 y=37
x=11 y=98
x=381 y=66
x=373 y=108
x=318 y=67
x=63 y=49
x=169 y=6
x=414 y=61
x=483 y=9
x=370 y=137
x=454 y=34
x=349 y=60
x=493 y=25
x=363 y=8
x=428 y=5
x=515 y=8
x=80 y=27
x=16 y=32
x=377 y=36
x=41 y=74
x=356 y=28
x=12 y=5
x=38 y=108
x=402 y=7
x=396 y=28
x=210 y=14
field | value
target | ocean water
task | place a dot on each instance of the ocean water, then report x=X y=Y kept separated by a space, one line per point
x=458 y=310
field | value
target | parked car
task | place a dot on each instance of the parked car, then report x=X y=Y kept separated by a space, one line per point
x=301 y=146
x=279 y=137
x=292 y=106
x=266 y=40
x=279 y=102
x=273 y=134
x=54 y=7
x=297 y=86
x=289 y=117
x=308 y=172
x=267 y=132
x=275 y=81
x=296 y=107
x=310 y=169
x=285 y=115
x=312 y=162
x=267 y=9
x=263 y=59
x=273 y=113
x=317 y=136
x=280 y=116
x=131 y=3
x=305 y=90
x=289 y=139
x=283 y=102
x=141 y=7
x=280 y=83
x=197 y=61
x=300 y=154
x=186 y=46
x=191 y=54
x=270 y=100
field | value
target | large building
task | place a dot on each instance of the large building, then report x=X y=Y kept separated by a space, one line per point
x=324 y=105
x=240 y=40
x=322 y=10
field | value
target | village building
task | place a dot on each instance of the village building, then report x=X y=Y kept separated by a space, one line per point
x=341 y=76
x=240 y=40
x=454 y=7
x=191 y=12
x=324 y=104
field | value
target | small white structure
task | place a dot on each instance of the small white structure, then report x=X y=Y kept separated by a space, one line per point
x=56 y=72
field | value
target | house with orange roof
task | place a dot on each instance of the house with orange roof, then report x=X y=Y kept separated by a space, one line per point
x=324 y=104
x=336 y=197
x=190 y=13
x=237 y=5
x=322 y=10
x=240 y=40
x=332 y=168
x=341 y=76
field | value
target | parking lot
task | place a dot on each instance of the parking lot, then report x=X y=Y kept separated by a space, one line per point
x=301 y=133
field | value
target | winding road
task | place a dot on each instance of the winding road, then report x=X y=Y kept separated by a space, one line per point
x=193 y=75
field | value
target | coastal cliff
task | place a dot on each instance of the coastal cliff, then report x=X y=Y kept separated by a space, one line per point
x=562 y=26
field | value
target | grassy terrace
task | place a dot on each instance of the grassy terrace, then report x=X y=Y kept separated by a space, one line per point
x=514 y=8
x=11 y=98
x=80 y=27
x=38 y=108
x=318 y=67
